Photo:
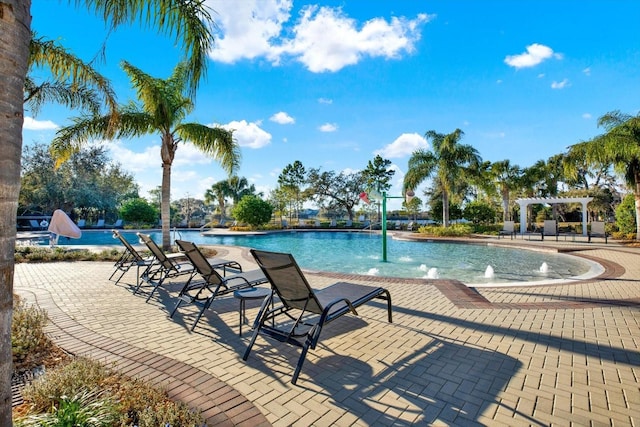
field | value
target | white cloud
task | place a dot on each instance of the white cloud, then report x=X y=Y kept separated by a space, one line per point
x=536 y=53
x=187 y=155
x=403 y=146
x=133 y=161
x=282 y=118
x=325 y=101
x=328 y=127
x=560 y=85
x=586 y=116
x=248 y=134
x=323 y=38
x=33 y=124
x=587 y=71
x=246 y=29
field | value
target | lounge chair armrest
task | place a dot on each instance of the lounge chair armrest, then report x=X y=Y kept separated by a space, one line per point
x=329 y=306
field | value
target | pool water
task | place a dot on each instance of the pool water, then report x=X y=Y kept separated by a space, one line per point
x=361 y=253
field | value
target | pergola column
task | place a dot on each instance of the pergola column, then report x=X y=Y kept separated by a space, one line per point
x=523 y=215
x=584 y=217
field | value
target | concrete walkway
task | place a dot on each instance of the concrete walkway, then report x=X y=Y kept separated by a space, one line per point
x=546 y=355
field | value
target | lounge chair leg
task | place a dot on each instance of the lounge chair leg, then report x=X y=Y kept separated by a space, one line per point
x=205 y=306
x=303 y=355
x=175 y=308
x=155 y=285
x=388 y=298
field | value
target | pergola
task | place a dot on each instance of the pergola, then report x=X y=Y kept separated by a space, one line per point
x=551 y=201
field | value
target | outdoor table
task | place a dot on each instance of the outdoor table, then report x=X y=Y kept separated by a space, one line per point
x=249 y=294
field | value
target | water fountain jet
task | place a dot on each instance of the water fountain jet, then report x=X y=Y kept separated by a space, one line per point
x=488 y=273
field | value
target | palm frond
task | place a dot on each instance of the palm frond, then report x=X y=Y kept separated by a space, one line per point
x=188 y=21
x=65 y=66
x=70 y=139
x=162 y=99
x=215 y=142
x=70 y=95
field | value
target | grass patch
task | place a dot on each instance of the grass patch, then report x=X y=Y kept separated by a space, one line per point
x=81 y=391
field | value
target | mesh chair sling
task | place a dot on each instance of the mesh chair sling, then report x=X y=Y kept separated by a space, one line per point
x=550 y=229
x=304 y=310
x=174 y=265
x=128 y=259
x=212 y=284
x=508 y=229
x=598 y=229
x=163 y=267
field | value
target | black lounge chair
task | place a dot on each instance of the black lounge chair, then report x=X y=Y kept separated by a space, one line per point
x=128 y=259
x=174 y=265
x=304 y=310
x=212 y=284
x=163 y=267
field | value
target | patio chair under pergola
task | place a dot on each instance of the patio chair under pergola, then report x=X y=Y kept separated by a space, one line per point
x=551 y=201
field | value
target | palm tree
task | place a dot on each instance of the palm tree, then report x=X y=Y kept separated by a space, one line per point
x=377 y=175
x=505 y=175
x=162 y=109
x=219 y=192
x=620 y=147
x=188 y=22
x=74 y=83
x=447 y=163
x=240 y=187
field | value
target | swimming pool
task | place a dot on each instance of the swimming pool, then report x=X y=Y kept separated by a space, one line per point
x=360 y=253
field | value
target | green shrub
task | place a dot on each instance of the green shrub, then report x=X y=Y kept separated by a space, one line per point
x=454 y=230
x=138 y=211
x=45 y=254
x=252 y=210
x=479 y=212
x=626 y=215
x=28 y=340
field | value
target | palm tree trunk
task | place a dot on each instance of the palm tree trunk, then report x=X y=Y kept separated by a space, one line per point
x=445 y=208
x=16 y=23
x=165 y=207
x=505 y=205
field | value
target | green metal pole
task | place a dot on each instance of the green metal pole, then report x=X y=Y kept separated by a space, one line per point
x=384 y=226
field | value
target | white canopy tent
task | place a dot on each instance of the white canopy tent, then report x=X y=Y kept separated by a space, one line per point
x=550 y=201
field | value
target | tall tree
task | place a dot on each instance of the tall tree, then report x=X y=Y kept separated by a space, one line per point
x=291 y=180
x=218 y=193
x=89 y=183
x=335 y=191
x=188 y=22
x=377 y=176
x=447 y=164
x=620 y=147
x=505 y=176
x=162 y=109
x=15 y=35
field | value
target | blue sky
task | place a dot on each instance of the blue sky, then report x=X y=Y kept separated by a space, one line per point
x=333 y=83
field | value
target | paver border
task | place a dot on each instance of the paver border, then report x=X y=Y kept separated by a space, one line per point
x=220 y=404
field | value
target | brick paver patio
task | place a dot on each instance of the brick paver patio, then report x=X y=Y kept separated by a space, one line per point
x=546 y=355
